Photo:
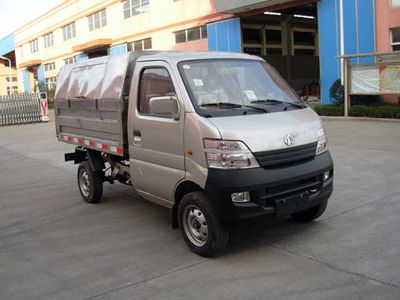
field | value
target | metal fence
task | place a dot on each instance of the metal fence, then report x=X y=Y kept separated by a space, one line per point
x=20 y=109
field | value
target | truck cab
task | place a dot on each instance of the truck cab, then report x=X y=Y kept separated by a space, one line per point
x=215 y=137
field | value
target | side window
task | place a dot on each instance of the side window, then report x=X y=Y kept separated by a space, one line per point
x=154 y=82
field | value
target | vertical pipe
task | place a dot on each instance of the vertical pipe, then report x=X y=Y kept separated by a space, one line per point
x=357 y=30
x=337 y=31
x=346 y=87
x=375 y=37
x=341 y=12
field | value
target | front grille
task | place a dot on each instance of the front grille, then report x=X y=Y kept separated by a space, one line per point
x=270 y=195
x=286 y=157
x=293 y=188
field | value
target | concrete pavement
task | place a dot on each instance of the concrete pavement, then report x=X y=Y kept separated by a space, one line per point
x=55 y=246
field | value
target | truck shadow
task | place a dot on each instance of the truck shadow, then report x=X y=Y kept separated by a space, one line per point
x=244 y=234
x=267 y=231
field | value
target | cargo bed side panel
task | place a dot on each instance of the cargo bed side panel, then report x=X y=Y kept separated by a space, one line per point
x=89 y=106
x=99 y=121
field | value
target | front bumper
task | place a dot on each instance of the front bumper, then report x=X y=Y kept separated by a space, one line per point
x=276 y=192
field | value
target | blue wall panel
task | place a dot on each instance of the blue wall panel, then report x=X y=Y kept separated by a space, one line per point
x=118 y=49
x=366 y=28
x=7 y=44
x=328 y=23
x=224 y=36
x=359 y=36
x=41 y=78
x=27 y=84
x=350 y=20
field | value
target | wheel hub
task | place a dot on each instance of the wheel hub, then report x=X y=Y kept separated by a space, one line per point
x=195 y=226
x=85 y=183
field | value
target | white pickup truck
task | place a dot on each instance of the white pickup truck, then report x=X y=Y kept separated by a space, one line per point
x=215 y=137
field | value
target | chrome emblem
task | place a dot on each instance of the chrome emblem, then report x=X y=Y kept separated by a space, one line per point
x=289 y=140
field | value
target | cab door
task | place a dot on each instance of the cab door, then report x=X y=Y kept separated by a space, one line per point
x=156 y=145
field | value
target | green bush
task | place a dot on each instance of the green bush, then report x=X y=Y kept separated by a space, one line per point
x=376 y=111
x=371 y=111
x=329 y=110
x=336 y=92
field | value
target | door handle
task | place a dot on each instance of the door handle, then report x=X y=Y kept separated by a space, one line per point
x=137 y=137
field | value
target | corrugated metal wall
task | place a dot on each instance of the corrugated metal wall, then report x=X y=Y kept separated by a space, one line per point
x=225 y=36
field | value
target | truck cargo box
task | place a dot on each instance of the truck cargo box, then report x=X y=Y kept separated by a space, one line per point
x=91 y=103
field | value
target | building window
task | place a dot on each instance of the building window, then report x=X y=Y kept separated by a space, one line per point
x=140 y=45
x=34 y=45
x=253 y=39
x=135 y=7
x=273 y=40
x=13 y=90
x=180 y=37
x=48 y=40
x=395 y=33
x=50 y=66
x=97 y=20
x=395 y=3
x=273 y=36
x=191 y=34
x=13 y=79
x=262 y=40
x=70 y=60
x=304 y=41
x=252 y=36
x=69 y=31
x=51 y=82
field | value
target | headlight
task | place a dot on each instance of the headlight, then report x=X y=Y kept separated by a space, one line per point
x=322 y=145
x=228 y=155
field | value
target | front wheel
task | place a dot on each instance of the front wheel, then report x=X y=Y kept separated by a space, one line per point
x=90 y=183
x=311 y=213
x=200 y=225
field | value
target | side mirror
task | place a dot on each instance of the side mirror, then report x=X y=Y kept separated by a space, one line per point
x=166 y=106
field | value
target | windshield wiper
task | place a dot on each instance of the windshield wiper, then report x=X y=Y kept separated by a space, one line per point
x=233 y=105
x=257 y=107
x=273 y=101
x=222 y=105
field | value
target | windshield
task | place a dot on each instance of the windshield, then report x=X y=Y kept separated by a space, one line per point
x=236 y=82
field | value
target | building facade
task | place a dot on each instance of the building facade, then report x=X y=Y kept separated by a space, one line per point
x=8 y=69
x=301 y=39
x=77 y=30
x=387 y=25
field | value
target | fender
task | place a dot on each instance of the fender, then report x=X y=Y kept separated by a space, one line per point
x=95 y=159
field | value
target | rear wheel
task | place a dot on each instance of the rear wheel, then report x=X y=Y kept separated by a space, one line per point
x=311 y=213
x=200 y=225
x=90 y=184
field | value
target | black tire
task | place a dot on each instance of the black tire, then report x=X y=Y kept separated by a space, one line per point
x=311 y=213
x=197 y=206
x=90 y=184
